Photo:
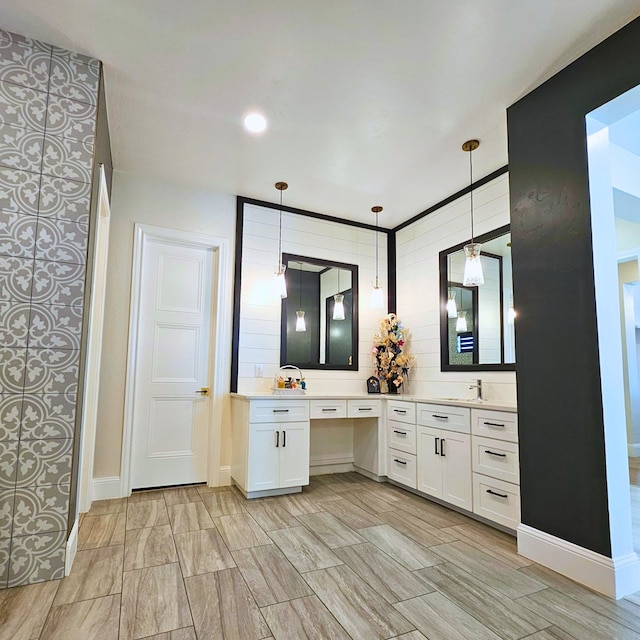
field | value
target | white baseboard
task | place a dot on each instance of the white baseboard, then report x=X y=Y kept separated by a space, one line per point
x=614 y=577
x=224 y=477
x=633 y=450
x=72 y=547
x=319 y=469
x=107 y=488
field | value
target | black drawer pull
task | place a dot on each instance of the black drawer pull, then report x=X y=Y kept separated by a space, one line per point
x=500 y=495
x=494 y=424
x=280 y=410
x=333 y=409
x=442 y=441
x=365 y=408
x=402 y=433
x=400 y=411
x=436 y=440
x=399 y=461
x=493 y=453
x=435 y=415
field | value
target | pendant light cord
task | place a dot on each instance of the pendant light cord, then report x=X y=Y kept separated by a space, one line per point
x=471 y=187
x=280 y=237
x=377 y=212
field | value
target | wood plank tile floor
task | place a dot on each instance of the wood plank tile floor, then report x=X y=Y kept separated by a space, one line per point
x=346 y=559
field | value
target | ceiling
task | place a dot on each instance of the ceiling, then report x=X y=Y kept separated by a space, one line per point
x=368 y=100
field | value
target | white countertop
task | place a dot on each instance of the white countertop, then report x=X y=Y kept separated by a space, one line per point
x=308 y=395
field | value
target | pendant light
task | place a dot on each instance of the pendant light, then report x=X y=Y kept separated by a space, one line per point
x=452 y=309
x=338 y=303
x=377 y=295
x=473 y=275
x=281 y=283
x=461 y=322
x=511 y=315
x=300 y=323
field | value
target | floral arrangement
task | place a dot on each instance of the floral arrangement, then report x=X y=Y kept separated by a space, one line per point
x=391 y=363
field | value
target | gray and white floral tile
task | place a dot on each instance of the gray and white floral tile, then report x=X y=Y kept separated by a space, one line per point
x=61 y=241
x=67 y=54
x=44 y=462
x=55 y=327
x=22 y=107
x=64 y=199
x=47 y=416
x=19 y=190
x=67 y=158
x=17 y=234
x=51 y=371
x=8 y=464
x=24 y=61
x=12 y=371
x=16 y=277
x=68 y=118
x=58 y=283
x=74 y=79
x=7 y=500
x=20 y=148
x=10 y=416
x=14 y=323
x=37 y=558
x=5 y=545
x=40 y=509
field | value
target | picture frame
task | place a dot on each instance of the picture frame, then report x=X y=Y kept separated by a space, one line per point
x=373 y=385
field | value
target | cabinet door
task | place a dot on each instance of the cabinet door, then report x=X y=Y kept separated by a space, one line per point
x=263 y=462
x=456 y=469
x=429 y=462
x=294 y=454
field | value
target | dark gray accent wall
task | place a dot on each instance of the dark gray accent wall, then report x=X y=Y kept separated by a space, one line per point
x=562 y=455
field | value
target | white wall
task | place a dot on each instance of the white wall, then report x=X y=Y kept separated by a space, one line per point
x=418 y=290
x=260 y=305
x=139 y=199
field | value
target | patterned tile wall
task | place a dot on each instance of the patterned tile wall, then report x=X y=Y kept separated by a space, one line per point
x=48 y=100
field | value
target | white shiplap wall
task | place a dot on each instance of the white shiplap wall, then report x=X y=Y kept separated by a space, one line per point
x=418 y=246
x=260 y=305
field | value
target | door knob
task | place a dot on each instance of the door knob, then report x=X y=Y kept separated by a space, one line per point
x=204 y=391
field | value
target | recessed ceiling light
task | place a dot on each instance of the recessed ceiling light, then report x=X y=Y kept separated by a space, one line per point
x=255 y=122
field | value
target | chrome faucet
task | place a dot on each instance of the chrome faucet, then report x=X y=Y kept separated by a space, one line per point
x=478 y=387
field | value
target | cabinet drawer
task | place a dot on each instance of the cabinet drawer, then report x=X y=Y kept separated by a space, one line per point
x=401 y=467
x=496 y=500
x=494 y=424
x=496 y=458
x=278 y=410
x=328 y=409
x=401 y=411
x=401 y=436
x=364 y=408
x=444 y=417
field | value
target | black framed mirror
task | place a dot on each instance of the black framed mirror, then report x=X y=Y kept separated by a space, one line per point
x=477 y=331
x=325 y=334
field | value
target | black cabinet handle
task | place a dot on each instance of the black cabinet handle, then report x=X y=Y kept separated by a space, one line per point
x=329 y=409
x=435 y=415
x=284 y=438
x=436 y=444
x=500 y=495
x=399 y=461
x=402 y=433
x=442 y=441
x=365 y=408
x=493 y=453
x=493 y=424
x=400 y=411
x=277 y=438
x=280 y=410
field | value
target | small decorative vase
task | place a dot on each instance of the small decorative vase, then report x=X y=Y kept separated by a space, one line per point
x=391 y=388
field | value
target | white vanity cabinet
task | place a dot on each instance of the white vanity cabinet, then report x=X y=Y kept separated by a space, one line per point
x=401 y=439
x=444 y=453
x=270 y=454
x=496 y=470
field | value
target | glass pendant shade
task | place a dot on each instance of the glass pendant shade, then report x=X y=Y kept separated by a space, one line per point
x=281 y=283
x=377 y=297
x=473 y=275
x=511 y=315
x=338 y=307
x=300 y=323
x=461 y=322
x=452 y=309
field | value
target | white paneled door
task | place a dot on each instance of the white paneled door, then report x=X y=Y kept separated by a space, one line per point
x=172 y=397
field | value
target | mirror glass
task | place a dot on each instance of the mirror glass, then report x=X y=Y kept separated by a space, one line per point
x=477 y=330
x=325 y=336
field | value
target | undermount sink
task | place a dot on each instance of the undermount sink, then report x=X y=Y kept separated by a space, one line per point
x=466 y=400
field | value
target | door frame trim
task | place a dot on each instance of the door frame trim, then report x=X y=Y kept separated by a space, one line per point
x=219 y=347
